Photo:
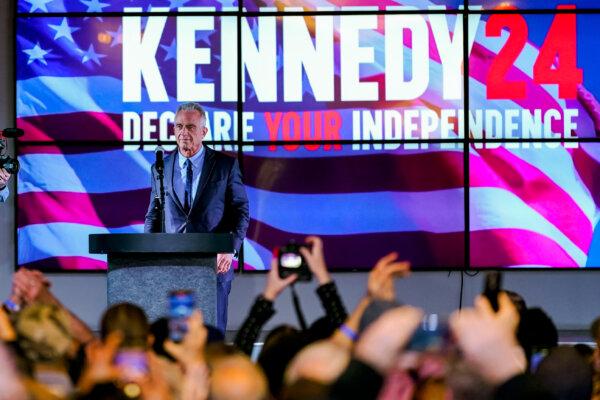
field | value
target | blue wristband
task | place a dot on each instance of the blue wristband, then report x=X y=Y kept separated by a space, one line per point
x=12 y=306
x=349 y=332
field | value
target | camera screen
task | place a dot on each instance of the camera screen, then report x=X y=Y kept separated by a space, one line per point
x=291 y=260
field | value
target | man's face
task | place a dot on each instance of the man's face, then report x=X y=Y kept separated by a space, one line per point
x=190 y=130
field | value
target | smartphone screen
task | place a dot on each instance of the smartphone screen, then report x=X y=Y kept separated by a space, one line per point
x=132 y=363
x=181 y=306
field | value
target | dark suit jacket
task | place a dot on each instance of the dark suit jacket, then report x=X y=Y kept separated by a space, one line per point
x=220 y=204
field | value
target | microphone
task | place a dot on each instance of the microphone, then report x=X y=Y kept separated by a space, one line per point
x=160 y=162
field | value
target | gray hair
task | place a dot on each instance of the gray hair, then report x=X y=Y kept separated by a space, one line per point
x=192 y=107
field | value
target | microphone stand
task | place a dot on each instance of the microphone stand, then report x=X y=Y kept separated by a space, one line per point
x=159 y=200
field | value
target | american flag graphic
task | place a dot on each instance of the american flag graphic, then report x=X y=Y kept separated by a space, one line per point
x=533 y=206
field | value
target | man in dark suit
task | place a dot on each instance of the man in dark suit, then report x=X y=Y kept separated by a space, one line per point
x=203 y=193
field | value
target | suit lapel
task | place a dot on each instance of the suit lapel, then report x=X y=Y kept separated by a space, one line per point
x=170 y=175
x=207 y=167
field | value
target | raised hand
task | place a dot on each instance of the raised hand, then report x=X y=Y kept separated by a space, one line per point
x=380 y=285
x=315 y=259
x=488 y=340
x=275 y=285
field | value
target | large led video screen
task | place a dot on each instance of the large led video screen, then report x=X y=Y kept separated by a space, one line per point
x=349 y=124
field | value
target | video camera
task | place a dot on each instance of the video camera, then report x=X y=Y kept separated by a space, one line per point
x=11 y=165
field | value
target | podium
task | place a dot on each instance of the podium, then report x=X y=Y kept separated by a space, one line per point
x=143 y=268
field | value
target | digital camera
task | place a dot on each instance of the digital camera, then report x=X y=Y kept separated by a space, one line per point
x=291 y=261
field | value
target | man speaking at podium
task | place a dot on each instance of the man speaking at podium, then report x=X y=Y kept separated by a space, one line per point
x=203 y=193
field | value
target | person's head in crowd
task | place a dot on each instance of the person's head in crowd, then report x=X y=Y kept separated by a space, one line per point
x=466 y=384
x=159 y=330
x=43 y=334
x=131 y=321
x=595 y=331
x=536 y=332
x=218 y=350
x=322 y=362
x=566 y=374
x=45 y=341
x=237 y=377
x=584 y=351
x=280 y=346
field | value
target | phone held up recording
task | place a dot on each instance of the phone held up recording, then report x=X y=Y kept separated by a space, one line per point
x=181 y=307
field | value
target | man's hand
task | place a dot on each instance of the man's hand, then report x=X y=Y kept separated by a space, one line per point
x=488 y=339
x=191 y=349
x=382 y=342
x=315 y=259
x=224 y=262
x=4 y=177
x=275 y=284
x=380 y=285
x=99 y=362
x=30 y=286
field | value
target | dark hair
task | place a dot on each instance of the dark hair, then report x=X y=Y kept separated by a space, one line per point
x=536 y=331
x=281 y=345
x=104 y=391
x=130 y=320
x=566 y=374
x=321 y=328
x=160 y=333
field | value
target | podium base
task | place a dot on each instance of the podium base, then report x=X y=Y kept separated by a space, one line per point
x=150 y=281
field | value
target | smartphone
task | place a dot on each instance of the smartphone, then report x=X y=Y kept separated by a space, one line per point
x=181 y=307
x=132 y=363
x=493 y=285
x=432 y=335
x=290 y=261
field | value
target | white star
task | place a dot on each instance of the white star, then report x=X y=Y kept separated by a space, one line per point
x=63 y=30
x=177 y=3
x=171 y=50
x=91 y=54
x=94 y=5
x=36 y=53
x=38 y=5
x=117 y=37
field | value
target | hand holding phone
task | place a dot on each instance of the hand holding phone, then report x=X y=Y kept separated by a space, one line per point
x=493 y=285
x=181 y=307
x=132 y=364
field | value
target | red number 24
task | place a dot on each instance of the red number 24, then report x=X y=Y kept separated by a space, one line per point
x=556 y=62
